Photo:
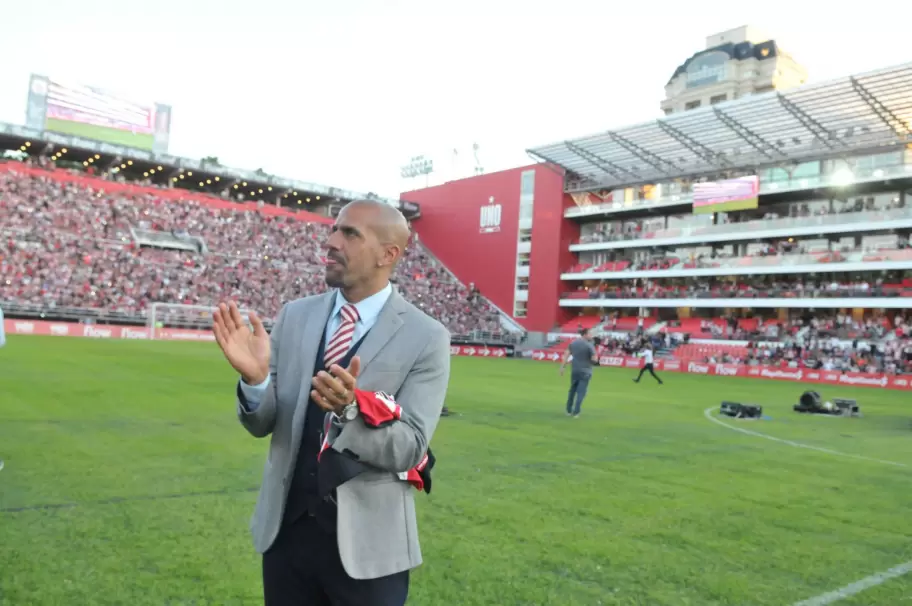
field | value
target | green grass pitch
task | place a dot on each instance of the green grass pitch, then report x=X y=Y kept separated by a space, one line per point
x=128 y=480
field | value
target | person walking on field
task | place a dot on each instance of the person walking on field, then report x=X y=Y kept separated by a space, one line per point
x=647 y=355
x=582 y=357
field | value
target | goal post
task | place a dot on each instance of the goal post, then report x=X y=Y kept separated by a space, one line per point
x=182 y=317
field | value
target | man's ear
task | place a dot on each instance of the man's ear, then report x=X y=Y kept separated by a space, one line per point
x=391 y=254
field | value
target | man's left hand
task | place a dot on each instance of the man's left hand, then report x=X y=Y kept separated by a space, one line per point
x=334 y=390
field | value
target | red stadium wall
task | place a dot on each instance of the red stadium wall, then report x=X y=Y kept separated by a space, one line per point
x=451 y=227
x=552 y=236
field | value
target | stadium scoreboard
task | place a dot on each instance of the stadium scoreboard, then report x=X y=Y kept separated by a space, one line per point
x=92 y=113
x=729 y=195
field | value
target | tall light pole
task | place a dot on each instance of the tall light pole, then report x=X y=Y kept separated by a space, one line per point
x=417 y=165
x=479 y=169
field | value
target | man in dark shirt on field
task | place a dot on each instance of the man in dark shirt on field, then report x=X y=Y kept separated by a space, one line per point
x=582 y=356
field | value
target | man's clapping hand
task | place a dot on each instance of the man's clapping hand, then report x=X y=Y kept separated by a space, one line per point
x=334 y=390
x=246 y=351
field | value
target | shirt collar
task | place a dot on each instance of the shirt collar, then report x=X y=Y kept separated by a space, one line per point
x=369 y=308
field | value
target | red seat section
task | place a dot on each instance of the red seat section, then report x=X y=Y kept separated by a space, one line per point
x=577 y=324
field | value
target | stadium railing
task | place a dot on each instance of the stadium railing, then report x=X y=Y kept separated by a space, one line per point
x=794 y=260
x=769 y=293
x=830 y=220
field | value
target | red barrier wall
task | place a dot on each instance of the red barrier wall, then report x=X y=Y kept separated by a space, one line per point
x=797 y=375
x=102 y=331
x=802 y=375
x=551 y=239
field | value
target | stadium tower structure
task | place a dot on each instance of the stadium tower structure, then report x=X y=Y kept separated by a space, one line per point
x=605 y=224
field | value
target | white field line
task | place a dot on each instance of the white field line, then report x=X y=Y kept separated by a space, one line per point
x=706 y=413
x=858 y=586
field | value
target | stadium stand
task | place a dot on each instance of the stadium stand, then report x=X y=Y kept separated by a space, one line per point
x=75 y=241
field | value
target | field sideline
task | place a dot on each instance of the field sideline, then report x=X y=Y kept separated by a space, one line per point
x=128 y=480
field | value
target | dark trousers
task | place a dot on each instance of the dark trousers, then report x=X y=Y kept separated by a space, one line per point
x=303 y=568
x=579 y=385
x=651 y=371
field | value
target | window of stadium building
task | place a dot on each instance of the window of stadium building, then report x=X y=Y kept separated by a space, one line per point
x=527 y=183
x=805 y=170
x=860 y=165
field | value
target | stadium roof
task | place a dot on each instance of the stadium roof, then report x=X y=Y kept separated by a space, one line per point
x=110 y=154
x=853 y=115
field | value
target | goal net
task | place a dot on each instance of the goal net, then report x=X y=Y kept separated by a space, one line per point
x=183 y=322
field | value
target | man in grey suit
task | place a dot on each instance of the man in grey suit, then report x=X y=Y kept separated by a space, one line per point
x=308 y=386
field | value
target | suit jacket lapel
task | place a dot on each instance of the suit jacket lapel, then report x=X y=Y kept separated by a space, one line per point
x=314 y=326
x=388 y=322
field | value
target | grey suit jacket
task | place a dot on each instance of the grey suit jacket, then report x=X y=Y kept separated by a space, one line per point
x=406 y=354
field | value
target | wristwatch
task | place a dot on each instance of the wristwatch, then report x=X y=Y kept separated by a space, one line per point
x=349 y=412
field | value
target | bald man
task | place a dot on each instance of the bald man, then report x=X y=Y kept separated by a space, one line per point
x=349 y=386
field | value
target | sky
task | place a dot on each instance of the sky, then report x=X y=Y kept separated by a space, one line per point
x=343 y=92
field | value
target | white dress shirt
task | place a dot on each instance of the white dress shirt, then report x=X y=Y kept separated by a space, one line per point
x=368 y=312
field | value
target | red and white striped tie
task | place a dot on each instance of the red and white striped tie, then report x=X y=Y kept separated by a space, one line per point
x=341 y=340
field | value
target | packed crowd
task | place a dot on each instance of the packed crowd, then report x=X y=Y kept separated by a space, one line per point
x=68 y=245
x=875 y=343
x=767 y=254
x=837 y=342
x=750 y=287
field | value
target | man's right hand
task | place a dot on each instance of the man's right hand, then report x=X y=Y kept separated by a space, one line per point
x=247 y=352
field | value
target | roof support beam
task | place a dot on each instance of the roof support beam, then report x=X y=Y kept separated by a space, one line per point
x=896 y=124
x=693 y=145
x=551 y=165
x=660 y=164
x=816 y=128
x=570 y=171
x=753 y=139
x=609 y=167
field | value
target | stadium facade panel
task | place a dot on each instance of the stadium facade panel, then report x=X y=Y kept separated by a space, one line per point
x=504 y=232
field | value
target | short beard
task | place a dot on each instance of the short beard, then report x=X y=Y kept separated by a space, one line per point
x=334 y=280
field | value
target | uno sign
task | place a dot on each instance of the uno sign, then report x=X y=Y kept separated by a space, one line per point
x=489 y=217
x=803 y=375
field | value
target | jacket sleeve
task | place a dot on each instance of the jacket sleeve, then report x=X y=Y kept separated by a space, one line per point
x=401 y=444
